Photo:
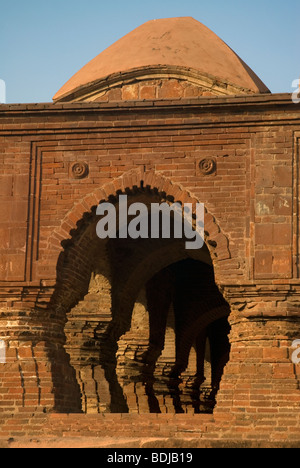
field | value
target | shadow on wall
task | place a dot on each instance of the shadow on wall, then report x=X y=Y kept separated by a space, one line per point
x=128 y=354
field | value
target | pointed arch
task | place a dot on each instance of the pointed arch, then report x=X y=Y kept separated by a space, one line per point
x=215 y=239
x=126 y=270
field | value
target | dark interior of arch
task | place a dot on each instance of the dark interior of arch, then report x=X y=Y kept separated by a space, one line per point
x=145 y=325
x=151 y=334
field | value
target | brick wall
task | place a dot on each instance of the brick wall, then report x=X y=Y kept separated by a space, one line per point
x=238 y=155
x=153 y=89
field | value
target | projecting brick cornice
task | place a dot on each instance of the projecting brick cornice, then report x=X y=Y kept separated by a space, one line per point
x=209 y=103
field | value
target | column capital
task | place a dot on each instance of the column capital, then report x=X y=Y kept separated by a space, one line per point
x=263 y=300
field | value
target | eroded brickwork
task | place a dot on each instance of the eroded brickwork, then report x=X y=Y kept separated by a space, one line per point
x=157 y=89
x=78 y=314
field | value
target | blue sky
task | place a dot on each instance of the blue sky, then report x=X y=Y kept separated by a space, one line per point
x=44 y=42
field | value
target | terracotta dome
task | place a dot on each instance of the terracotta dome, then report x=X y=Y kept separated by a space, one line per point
x=174 y=43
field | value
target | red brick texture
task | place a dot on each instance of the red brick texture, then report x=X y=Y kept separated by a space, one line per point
x=154 y=89
x=237 y=155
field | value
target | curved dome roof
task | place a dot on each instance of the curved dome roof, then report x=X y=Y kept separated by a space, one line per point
x=181 y=42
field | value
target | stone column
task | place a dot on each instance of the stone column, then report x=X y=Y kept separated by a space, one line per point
x=36 y=375
x=260 y=384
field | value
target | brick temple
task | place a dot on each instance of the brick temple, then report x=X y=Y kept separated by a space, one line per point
x=118 y=341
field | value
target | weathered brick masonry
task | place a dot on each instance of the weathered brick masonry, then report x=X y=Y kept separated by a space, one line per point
x=53 y=316
x=143 y=342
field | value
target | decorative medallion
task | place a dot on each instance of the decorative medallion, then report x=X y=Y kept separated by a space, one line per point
x=79 y=170
x=207 y=166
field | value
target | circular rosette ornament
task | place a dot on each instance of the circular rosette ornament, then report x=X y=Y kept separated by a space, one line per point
x=207 y=166
x=79 y=170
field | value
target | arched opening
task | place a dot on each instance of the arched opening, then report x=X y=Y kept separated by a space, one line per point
x=173 y=356
x=146 y=325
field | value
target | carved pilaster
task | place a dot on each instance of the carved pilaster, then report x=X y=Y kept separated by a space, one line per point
x=260 y=378
x=36 y=374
